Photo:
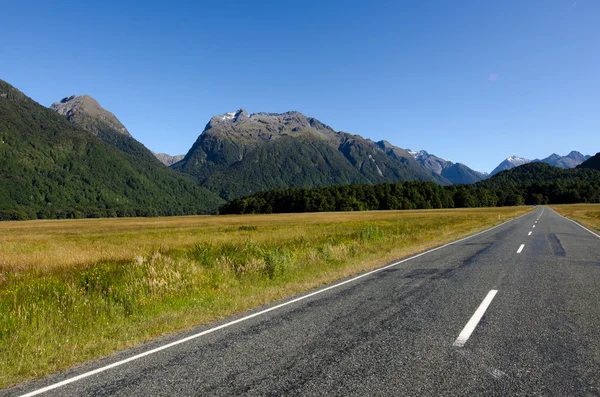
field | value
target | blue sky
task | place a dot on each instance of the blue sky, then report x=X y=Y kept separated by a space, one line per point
x=470 y=81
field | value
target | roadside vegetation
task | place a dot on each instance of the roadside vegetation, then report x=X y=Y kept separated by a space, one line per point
x=73 y=290
x=586 y=214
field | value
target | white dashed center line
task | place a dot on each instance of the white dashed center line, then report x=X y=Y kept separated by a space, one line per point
x=470 y=327
x=520 y=248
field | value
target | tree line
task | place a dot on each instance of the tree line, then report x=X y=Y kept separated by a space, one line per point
x=536 y=183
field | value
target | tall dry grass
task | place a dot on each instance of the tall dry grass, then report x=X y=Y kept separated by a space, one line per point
x=75 y=290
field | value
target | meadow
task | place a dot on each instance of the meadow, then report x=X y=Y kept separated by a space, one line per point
x=586 y=214
x=74 y=290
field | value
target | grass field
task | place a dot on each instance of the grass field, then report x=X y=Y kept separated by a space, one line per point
x=75 y=290
x=586 y=214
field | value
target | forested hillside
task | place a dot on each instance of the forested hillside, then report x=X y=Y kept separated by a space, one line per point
x=533 y=183
x=593 y=163
x=52 y=169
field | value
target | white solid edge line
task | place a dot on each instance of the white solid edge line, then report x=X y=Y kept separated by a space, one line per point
x=239 y=320
x=465 y=334
x=520 y=248
x=577 y=223
x=529 y=234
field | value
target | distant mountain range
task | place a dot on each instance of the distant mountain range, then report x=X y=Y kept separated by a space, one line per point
x=77 y=159
x=240 y=153
x=571 y=160
x=455 y=173
x=238 y=135
x=167 y=159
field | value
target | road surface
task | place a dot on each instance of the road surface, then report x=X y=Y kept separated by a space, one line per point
x=512 y=311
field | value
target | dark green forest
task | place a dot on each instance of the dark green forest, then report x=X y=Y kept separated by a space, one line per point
x=52 y=169
x=530 y=184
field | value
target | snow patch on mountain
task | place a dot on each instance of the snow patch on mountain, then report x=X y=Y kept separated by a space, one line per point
x=517 y=161
x=509 y=163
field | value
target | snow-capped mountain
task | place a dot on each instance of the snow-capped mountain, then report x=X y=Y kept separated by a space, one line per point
x=510 y=162
x=571 y=160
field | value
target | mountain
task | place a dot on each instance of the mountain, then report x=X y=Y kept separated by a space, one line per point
x=509 y=163
x=430 y=161
x=167 y=159
x=87 y=113
x=459 y=173
x=455 y=173
x=51 y=168
x=593 y=162
x=540 y=173
x=240 y=153
x=571 y=160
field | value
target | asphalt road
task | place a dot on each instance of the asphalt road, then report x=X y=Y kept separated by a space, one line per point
x=396 y=331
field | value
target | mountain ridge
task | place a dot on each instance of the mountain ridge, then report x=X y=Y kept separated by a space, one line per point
x=455 y=173
x=571 y=160
x=227 y=153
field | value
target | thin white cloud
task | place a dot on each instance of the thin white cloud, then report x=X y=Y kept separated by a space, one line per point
x=493 y=77
x=573 y=6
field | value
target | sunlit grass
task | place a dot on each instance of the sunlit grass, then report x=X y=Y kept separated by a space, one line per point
x=75 y=290
x=586 y=214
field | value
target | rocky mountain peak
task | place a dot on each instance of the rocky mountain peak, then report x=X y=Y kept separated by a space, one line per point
x=79 y=109
x=577 y=155
x=229 y=117
x=260 y=127
x=517 y=160
x=67 y=99
x=167 y=159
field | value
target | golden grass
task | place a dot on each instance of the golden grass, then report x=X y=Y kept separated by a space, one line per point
x=79 y=289
x=586 y=214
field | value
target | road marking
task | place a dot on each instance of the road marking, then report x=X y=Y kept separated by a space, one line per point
x=538 y=218
x=239 y=320
x=533 y=225
x=529 y=234
x=465 y=334
x=520 y=248
x=577 y=223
